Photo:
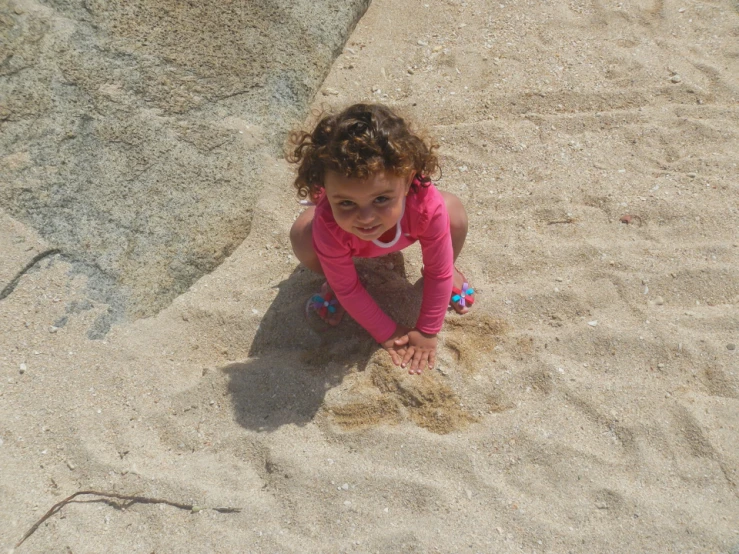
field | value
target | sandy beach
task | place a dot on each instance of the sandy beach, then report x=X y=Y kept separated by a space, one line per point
x=588 y=403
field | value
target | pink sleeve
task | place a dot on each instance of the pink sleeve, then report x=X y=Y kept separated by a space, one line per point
x=438 y=266
x=338 y=266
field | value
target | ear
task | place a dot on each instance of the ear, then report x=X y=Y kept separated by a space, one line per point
x=409 y=182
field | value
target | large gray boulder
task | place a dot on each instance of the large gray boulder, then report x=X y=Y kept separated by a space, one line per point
x=132 y=132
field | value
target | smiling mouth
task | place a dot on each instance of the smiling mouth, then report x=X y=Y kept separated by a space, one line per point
x=368 y=230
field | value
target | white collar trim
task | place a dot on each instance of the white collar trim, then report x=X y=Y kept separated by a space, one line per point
x=397 y=232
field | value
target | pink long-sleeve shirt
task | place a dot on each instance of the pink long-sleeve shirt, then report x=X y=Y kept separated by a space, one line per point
x=425 y=219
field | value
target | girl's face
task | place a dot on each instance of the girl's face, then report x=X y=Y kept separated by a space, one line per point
x=367 y=207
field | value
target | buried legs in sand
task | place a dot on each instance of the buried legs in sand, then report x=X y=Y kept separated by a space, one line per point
x=302 y=243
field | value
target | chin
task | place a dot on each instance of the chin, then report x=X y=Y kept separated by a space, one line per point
x=368 y=238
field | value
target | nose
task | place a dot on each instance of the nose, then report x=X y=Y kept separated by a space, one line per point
x=365 y=214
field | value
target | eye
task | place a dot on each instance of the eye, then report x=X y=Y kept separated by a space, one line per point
x=381 y=199
x=346 y=203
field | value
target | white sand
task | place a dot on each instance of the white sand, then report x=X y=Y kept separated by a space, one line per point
x=589 y=403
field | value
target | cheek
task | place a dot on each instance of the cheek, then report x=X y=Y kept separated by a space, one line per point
x=342 y=217
x=391 y=212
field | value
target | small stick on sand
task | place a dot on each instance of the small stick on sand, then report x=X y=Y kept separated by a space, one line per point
x=131 y=500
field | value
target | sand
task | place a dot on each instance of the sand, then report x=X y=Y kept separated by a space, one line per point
x=588 y=403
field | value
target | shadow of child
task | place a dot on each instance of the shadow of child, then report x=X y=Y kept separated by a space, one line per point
x=295 y=359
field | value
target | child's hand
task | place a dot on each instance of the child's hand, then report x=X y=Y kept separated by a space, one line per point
x=395 y=345
x=420 y=351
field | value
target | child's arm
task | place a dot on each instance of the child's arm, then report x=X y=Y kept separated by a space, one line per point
x=438 y=269
x=438 y=262
x=344 y=281
x=338 y=267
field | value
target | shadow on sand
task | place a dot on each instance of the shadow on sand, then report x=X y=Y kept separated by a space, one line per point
x=294 y=360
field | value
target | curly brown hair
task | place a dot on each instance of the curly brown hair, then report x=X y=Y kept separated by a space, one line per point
x=359 y=141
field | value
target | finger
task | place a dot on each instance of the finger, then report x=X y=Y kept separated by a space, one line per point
x=407 y=357
x=425 y=361
x=414 y=366
x=414 y=370
x=394 y=356
x=402 y=340
x=432 y=360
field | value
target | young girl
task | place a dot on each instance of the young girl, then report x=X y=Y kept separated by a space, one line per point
x=368 y=175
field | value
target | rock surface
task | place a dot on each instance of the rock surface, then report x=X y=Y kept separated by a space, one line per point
x=133 y=134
